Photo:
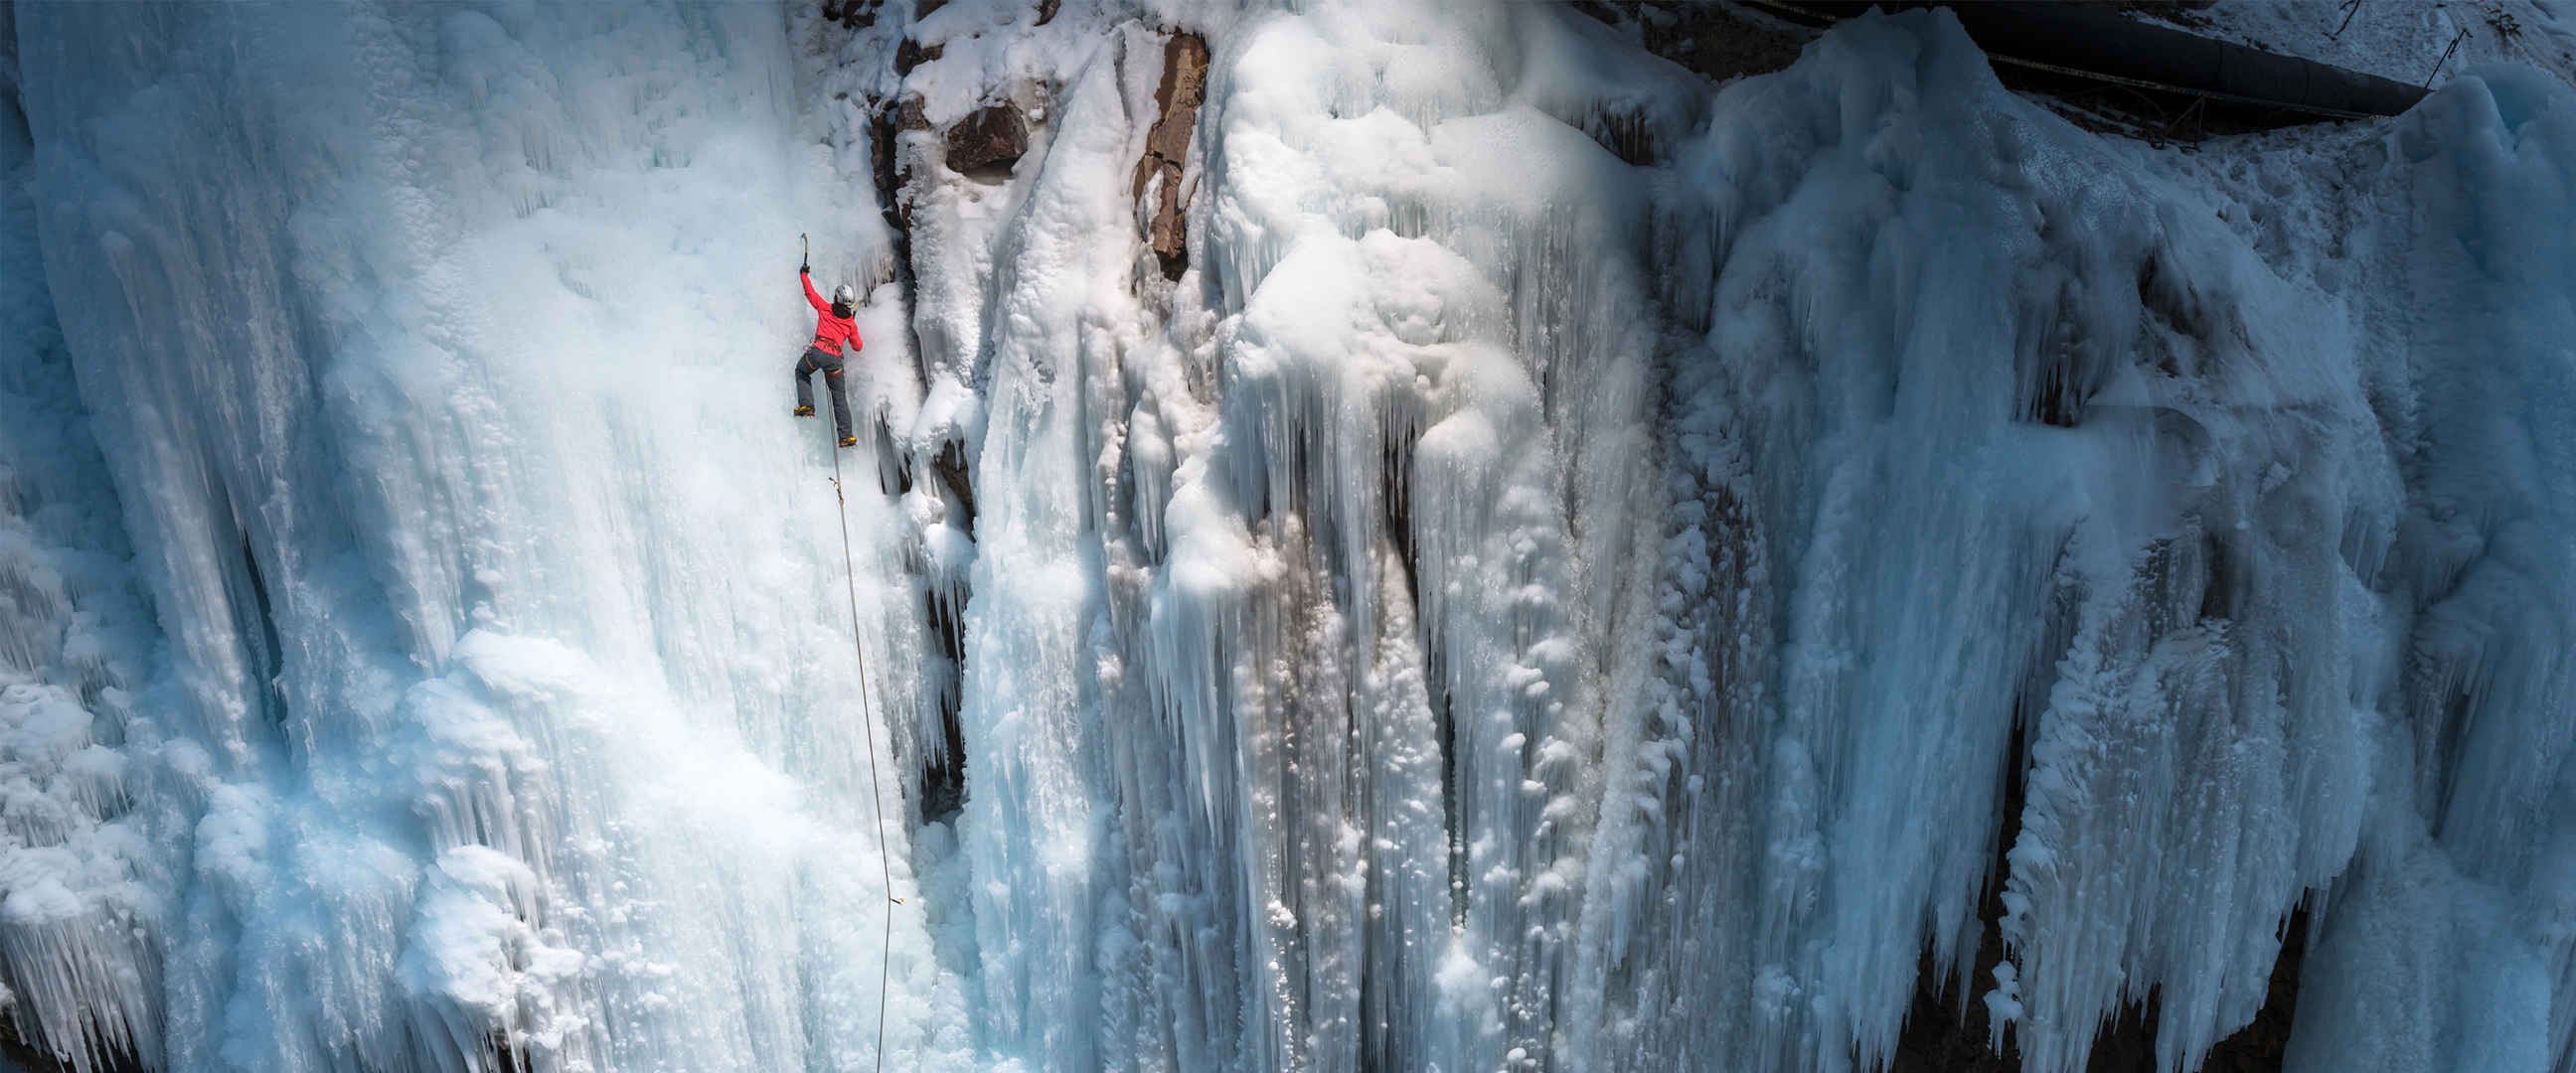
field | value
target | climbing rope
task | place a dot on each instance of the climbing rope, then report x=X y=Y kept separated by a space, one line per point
x=876 y=796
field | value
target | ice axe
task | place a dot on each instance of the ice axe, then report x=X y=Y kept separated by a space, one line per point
x=804 y=254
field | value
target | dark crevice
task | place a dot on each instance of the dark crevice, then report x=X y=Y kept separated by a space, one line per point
x=882 y=131
x=885 y=164
x=2225 y=590
x=943 y=778
x=1627 y=134
x=2057 y=401
x=1947 y=1027
x=1451 y=807
x=2263 y=1045
x=1435 y=681
x=2171 y=299
x=1396 y=493
x=1373 y=1056
x=2060 y=357
x=2447 y=733
x=951 y=466
x=2062 y=366
x=500 y=1057
x=268 y=656
x=2128 y=1043
x=894 y=468
x=943 y=783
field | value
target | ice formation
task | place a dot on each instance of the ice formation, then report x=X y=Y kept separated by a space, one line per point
x=1585 y=567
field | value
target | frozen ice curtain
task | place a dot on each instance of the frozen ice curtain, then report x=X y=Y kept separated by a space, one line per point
x=1507 y=604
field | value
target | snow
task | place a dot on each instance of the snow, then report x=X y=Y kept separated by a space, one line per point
x=1586 y=569
x=2417 y=44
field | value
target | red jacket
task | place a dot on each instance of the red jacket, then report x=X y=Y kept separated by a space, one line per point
x=829 y=328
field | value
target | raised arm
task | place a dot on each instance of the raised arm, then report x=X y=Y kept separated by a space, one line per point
x=812 y=298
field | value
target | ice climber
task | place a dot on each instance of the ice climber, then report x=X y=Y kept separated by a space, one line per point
x=833 y=326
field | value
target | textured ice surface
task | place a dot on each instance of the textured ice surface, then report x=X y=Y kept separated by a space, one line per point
x=512 y=704
x=80 y=877
x=1587 y=570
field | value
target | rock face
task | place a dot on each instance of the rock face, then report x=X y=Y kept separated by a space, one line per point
x=1167 y=146
x=855 y=14
x=910 y=54
x=993 y=136
x=1719 y=41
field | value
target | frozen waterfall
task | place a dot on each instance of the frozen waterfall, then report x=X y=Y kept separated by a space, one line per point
x=1393 y=535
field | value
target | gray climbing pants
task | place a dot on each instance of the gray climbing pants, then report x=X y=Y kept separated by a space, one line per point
x=817 y=359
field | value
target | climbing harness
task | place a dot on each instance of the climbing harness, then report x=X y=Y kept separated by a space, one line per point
x=876 y=796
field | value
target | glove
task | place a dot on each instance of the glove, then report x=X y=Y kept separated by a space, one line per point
x=804 y=270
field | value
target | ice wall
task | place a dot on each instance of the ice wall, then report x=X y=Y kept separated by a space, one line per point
x=2034 y=485
x=2461 y=892
x=79 y=690
x=1629 y=576
x=437 y=356
x=1585 y=569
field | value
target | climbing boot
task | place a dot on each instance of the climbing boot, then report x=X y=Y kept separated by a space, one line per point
x=849 y=441
x=804 y=411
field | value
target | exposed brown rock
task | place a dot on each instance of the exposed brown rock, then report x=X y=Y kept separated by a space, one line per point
x=994 y=136
x=910 y=54
x=912 y=113
x=1719 y=40
x=855 y=14
x=1167 y=147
